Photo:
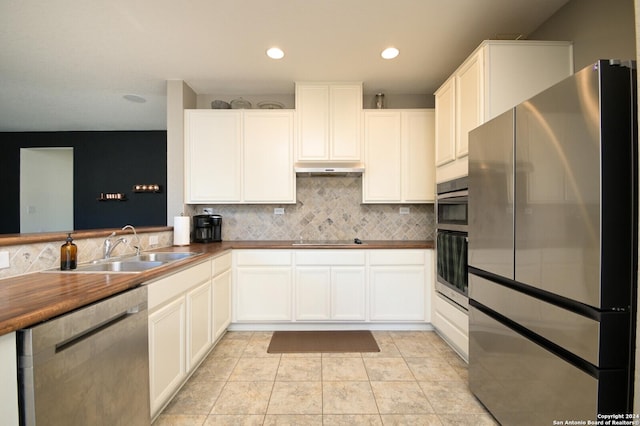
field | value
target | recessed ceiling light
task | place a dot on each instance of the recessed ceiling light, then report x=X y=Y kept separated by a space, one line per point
x=135 y=98
x=275 y=53
x=390 y=53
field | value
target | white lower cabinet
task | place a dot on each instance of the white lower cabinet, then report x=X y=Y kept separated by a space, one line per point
x=330 y=285
x=330 y=293
x=221 y=292
x=398 y=285
x=9 y=387
x=342 y=285
x=199 y=323
x=263 y=284
x=179 y=330
x=348 y=287
x=167 y=352
x=313 y=293
x=452 y=323
x=397 y=293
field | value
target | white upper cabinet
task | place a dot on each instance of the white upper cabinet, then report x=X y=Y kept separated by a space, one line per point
x=268 y=157
x=418 y=154
x=213 y=152
x=446 y=122
x=382 y=180
x=239 y=156
x=497 y=76
x=399 y=156
x=329 y=121
x=469 y=97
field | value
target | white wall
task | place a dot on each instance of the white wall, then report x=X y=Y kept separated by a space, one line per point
x=46 y=189
x=599 y=30
x=179 y=97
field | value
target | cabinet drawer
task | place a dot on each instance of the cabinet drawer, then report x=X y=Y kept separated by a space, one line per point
x=396 y=257
x=330 y=257
x=263 y=257
x=221 y=264
x=167 y=288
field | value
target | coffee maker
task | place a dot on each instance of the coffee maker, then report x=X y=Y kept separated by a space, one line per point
x=207 y=228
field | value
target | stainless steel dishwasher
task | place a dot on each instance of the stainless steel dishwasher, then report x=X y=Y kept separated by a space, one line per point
x=87 y=367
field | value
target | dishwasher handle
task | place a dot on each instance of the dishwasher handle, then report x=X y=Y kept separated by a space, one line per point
x=49 y=336
x=83 y=335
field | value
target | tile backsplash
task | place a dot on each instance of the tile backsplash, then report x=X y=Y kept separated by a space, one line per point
x=26 y=258
x=328 y=208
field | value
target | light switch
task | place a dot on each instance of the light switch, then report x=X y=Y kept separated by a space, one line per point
x=278 y=210
x=4 y=259
x=404 y=210
x=153 y=240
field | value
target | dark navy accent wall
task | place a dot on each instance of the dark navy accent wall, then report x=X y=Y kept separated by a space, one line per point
x=103 y=162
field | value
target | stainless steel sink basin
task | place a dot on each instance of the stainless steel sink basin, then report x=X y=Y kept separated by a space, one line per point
x=137 y=263
x=120 y=266
x=160 y=256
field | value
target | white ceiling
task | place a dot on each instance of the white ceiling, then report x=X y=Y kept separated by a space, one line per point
x=65 y=64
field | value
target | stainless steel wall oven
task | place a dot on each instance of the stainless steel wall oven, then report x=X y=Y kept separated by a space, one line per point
x=451 y=241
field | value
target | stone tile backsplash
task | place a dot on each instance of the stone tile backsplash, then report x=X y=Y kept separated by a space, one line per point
x=36 y=257
x=328 y=208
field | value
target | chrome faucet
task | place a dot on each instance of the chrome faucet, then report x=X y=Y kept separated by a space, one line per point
x=137 y=246
x=110 y=244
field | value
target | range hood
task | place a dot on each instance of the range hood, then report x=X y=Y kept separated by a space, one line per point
x=329 y=169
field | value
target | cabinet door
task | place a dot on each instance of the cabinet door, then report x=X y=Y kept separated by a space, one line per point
x=516 y=71
x=418 y=171
x=348 y=293
x=212 y=156
x=313 y=301
x=198 y=323
x=263 y=293
x=312 y=109
x=221 y=303
x=8 y=388
x=345 y=111
x=397 y=293
x=469 y=101
x=268 y=157
x=446 y=123
x=383 y=172
x=167 y=363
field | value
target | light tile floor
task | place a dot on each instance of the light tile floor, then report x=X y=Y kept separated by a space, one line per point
x=415 y=379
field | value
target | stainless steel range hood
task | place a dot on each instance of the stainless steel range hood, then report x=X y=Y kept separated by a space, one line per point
x=329 y=169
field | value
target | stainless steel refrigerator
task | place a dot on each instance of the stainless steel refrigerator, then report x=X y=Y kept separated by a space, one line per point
x=553 y=252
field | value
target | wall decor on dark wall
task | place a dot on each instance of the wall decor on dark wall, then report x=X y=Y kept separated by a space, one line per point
x=104 y=162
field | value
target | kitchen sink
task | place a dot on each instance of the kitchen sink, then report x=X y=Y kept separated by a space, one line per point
x=160 y=257
x=119 y=266
x=135 y=263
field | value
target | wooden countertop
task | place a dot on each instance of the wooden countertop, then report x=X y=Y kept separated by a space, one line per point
x=26 y=300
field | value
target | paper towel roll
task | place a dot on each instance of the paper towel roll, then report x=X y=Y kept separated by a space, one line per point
x=181 y=230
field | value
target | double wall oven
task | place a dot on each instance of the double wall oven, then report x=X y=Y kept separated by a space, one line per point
x=451 y=241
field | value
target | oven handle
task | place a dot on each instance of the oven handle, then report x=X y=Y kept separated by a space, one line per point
x=452 y=227
x=457 y=195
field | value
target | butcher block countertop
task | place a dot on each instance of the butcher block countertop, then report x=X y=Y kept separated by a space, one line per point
x=26 y=300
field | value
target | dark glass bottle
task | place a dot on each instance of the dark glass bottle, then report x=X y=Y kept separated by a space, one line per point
x=68 y=255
